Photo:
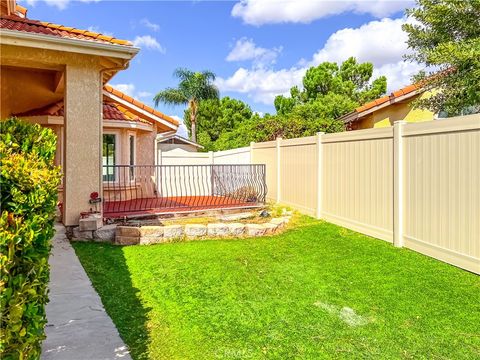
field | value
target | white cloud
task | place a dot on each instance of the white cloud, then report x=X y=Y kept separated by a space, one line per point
x=128 y=89
x=259 y=12
x=152 y=26
x=144 y=94
x=381 y=42
x=148 y=42
x=398 y=74
x=131 y=90
x=59 y=4
x=182 y=128
x=245 y=49
x=262 y=85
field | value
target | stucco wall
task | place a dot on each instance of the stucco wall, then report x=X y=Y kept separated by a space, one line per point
x=146 y=147
x=81 y=152
x=83 y=140
x=403 y=111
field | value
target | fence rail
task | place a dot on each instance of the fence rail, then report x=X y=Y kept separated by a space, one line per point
x=165 y=188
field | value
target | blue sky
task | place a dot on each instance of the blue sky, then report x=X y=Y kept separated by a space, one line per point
x=257 y=48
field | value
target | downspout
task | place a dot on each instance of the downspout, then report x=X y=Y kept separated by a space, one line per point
x=100 y=144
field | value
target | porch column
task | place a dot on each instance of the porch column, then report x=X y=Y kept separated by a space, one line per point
x=83 y=129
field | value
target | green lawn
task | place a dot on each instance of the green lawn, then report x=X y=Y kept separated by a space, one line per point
x=318 y=291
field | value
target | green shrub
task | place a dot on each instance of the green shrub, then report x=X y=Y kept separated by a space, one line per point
x=28 y=187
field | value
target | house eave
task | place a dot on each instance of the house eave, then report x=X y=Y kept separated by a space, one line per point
x=126 y=125
x=354 y=115
x=139 y=110
x=40 y=41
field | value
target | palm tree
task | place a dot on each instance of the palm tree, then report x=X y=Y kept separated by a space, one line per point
x=192 y=88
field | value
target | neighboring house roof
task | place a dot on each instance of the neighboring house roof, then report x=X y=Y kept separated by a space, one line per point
x=162 y=138
x=128 y=109
x=114 y=93
x=18 y=23
x=387 y=100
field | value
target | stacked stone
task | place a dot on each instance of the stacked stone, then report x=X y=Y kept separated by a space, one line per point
x=146 y=235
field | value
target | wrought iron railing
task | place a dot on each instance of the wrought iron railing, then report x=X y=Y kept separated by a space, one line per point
x=168 y=188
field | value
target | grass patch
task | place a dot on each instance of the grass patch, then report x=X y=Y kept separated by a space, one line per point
x=318 y=291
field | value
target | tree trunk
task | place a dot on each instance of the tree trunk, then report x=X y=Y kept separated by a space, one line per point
x=193 y=135
x=193 y=122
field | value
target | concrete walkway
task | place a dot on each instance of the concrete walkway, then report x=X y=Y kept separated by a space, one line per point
x=78 y=327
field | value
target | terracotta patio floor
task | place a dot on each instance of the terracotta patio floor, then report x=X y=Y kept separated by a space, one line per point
x=159 y=205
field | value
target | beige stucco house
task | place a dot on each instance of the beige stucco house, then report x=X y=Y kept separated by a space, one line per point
x=57 y=76
x=384 y=111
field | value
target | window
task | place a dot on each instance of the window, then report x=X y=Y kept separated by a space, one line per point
x=131 y=144
x=108 y=156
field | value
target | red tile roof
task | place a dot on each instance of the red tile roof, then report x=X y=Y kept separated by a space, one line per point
x=111 y=111
x=408 y=90
x=16 y=23
x=139 y=104
x=55 y=109
x=404 y=93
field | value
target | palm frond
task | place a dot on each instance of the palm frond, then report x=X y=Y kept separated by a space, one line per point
x=170 y=96
x=209 y=75
x=183 y=74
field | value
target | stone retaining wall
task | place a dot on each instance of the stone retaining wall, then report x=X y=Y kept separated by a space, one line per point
x=145 y=235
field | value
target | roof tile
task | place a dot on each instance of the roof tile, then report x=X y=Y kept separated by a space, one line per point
x=139 y=104
x=111 y=111
x=16 y=23
x=404 y=91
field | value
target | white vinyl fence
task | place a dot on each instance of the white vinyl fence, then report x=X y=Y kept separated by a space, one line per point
x=415 y=185
x=177 y=180
x=238 y=156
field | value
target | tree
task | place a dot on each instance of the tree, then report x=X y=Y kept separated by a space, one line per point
x=192 y=88
x=445 y=36
x=329 y=91
x=215 y=117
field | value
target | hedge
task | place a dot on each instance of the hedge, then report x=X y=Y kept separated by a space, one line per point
x=28 y=185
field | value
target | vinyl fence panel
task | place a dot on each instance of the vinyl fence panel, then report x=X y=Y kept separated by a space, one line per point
x=298 y=175
x=442 y=191
x=358 y=181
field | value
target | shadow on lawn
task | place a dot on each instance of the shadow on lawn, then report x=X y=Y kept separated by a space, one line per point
x=112 y=280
